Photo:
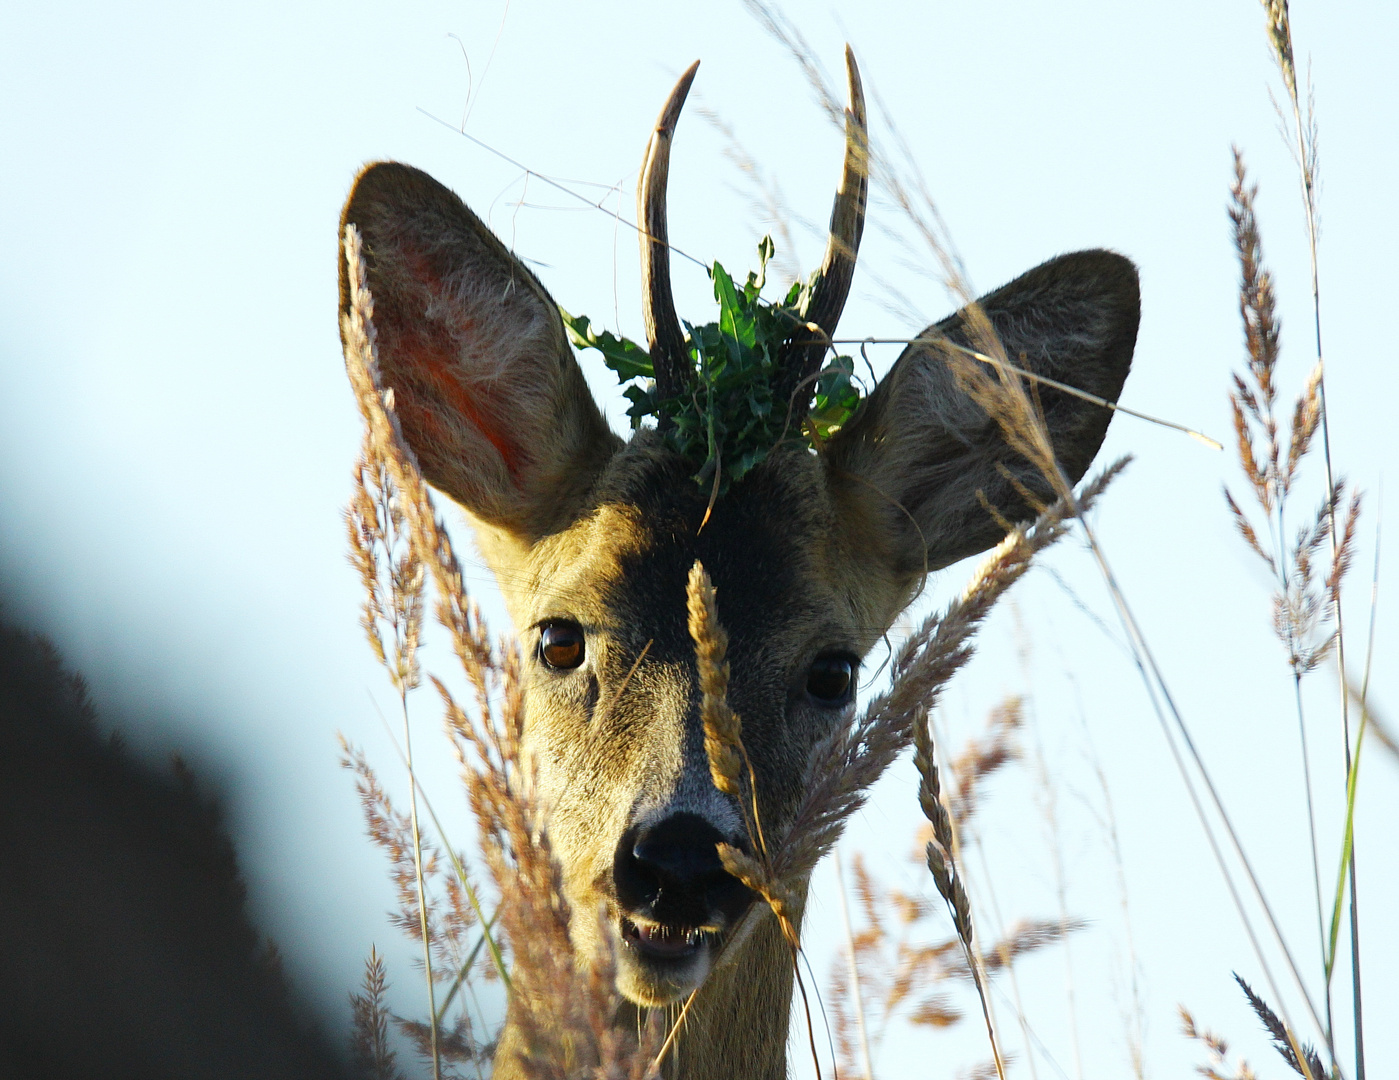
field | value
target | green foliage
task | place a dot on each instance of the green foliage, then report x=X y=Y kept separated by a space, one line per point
x=725 y=418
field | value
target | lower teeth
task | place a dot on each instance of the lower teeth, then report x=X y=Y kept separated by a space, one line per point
x=664 y=935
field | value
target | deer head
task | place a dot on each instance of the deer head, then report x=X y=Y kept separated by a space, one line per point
x=813 y=553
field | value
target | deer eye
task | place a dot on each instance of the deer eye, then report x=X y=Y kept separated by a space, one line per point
x=561 y=645
x=830 y=680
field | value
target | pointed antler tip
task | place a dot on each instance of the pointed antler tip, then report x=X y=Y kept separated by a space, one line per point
x=664 y=337
x=805 y=349
x=857 y=88
x=670 y=114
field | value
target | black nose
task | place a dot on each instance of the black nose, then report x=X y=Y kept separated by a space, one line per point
x=671 y=869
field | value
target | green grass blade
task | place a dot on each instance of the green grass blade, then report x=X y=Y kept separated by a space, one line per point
x=1339 y=900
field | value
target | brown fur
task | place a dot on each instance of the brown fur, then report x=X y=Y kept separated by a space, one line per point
x=810 y=553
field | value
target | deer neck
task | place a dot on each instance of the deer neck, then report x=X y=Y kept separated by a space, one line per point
x=736 y=1027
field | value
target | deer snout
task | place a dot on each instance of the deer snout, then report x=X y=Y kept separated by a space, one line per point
x=669 y=872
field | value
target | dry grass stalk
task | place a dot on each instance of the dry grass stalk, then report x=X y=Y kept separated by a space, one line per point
x=1300 y=131
x=844 y=765
x=389 y=570
x=941 y=851
x=1217 y=1068
x=439 y=915
x=1254 y=403
x=1305 y=605
x=1343 y=551
x=728 y=761
x=390 y=831
x=1003 y=395
x=562 y=1008
x=455 y=610
x=982 y=757
x=903 y=967
x=1300 y=1057
x=851 y=761
x=392 y=575
x=1306 y=615
x=1280 y=38
x=723 y=731
x=369 y=1048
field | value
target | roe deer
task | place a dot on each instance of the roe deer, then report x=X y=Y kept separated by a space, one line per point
x=813 y=553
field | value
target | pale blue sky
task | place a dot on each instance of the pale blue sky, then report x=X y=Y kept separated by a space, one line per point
x=177 y=434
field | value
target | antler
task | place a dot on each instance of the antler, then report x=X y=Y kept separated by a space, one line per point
x=664 y=339
x=805 y=349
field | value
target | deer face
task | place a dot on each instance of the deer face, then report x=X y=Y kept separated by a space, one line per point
x=618 y=743
x=812 y=554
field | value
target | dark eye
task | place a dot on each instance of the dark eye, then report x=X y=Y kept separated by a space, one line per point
x=831 y=679
x=561 y=645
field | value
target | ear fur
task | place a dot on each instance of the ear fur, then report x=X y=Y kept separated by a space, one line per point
x=929 y=450
x=486 y=389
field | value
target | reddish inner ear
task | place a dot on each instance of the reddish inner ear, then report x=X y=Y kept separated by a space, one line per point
x=425 y=366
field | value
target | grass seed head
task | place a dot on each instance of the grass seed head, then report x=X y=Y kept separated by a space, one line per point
x=723 y=731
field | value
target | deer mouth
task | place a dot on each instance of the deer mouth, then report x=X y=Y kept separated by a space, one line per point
x=665 y=954
x=674 y=903
x=661 y=943
x=660 y=963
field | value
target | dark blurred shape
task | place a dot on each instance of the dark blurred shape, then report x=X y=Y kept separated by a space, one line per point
x=125 y=950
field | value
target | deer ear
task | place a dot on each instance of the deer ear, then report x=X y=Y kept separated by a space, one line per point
x=933 y=455
x=486 y=389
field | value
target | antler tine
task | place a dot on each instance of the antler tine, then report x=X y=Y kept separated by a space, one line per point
x=806 y=348
x=663 y=336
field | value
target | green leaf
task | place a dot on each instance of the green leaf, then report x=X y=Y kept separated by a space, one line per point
x=836 y=398
x=757 y=279
x=733 y=321
x=643 y=404
x=725 y=418
x=628 y=359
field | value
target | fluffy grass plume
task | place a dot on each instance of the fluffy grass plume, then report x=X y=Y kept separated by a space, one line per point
x=562 y=1005
x=905 y=969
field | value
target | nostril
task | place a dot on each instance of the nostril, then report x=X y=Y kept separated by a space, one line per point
x=679 y=852
x=672 y=867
